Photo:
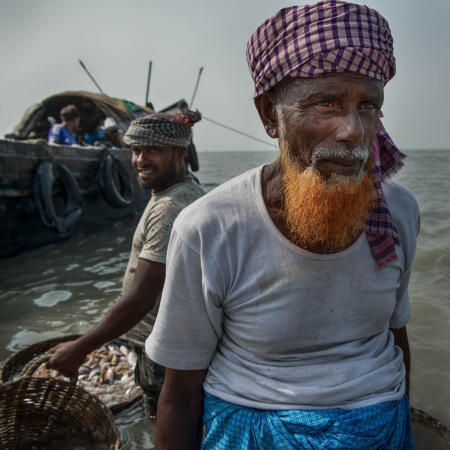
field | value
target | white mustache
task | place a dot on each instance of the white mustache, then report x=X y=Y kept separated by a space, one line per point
x=336 y=151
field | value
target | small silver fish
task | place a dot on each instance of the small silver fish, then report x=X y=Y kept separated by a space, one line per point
x=109 y=375
x=83 y=370
x=93 y=373
x=125 y=379
x=124 y=350
x=132 y=359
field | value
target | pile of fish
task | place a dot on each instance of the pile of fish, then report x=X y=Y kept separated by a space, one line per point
x=107 y=373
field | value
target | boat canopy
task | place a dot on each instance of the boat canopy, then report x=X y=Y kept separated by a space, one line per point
x=38 y=118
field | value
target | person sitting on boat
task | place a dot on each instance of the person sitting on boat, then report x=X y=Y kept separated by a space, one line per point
x=158 y=142
x=64 y=133
x=114 y=135
x=282 y=319
x=96 y=132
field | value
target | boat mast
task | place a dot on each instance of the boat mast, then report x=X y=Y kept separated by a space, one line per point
x=90 y=76
x=196 y=87
x=147 y=103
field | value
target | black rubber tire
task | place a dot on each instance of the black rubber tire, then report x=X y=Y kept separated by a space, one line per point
x=46 y=175
x=118 y=195
x=192 y=157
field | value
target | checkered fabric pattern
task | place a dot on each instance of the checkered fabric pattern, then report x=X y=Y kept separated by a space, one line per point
x=310 y=40
x=234 y=427
x=334 y=36
x=162 y=130
x=381 y=232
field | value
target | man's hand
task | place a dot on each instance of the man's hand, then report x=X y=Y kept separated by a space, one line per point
x=124 y=314
x=68 y=357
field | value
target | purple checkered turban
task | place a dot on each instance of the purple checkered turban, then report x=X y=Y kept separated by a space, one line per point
x=334 y=36
x=161 y=129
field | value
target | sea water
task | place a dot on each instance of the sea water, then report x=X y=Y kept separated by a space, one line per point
x=67 y=287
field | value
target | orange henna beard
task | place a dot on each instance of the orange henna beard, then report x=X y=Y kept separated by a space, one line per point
x=324 y=216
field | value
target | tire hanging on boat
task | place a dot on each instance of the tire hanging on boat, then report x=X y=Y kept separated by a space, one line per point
x=115 y=182
x=48 y=178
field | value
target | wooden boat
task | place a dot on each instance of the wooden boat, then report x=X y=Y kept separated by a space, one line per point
x=48 y=192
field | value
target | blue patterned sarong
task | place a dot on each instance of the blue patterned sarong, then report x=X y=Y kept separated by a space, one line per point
x=235 y=427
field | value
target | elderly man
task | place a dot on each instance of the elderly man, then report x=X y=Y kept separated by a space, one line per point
x=159 y=142
x=283 y=315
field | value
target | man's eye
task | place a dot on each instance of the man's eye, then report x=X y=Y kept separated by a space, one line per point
x=368 y=105
x=328 y=103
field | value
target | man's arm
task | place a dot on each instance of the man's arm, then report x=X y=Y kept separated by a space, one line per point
x=401 y=340
x=54 y=136
x=147 y=284
x=180 y=410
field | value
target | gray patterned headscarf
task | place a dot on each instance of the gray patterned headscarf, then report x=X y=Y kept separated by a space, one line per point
x=162 y=129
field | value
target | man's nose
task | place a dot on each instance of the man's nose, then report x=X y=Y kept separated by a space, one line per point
x=139 y=157
x=142 y=158
x=350 y=128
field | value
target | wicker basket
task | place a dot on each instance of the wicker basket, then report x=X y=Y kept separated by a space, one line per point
x=11 y=369
x=48 y=413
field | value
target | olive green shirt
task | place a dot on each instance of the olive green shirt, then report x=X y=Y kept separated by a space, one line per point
x=151 y=239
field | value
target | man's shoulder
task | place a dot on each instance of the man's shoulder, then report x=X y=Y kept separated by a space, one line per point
x=221 y=203
x=403 y=207
x=234 y=190
x=399 y=196
x=232 y=193
x=170 y=202
x=181 y=194
x=57 y=128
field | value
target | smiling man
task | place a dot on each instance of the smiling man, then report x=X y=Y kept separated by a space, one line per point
x=282 y=320
x=159 y=143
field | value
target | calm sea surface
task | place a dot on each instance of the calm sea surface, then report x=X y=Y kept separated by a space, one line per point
x=66 y=288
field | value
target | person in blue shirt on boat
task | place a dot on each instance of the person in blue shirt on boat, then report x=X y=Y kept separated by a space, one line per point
x=92 y=138
x=64 y=133
x=95 y=133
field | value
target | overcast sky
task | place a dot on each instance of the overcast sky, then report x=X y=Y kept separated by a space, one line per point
x=41 y=42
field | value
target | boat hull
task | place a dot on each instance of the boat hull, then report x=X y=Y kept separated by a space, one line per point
x=20 y=225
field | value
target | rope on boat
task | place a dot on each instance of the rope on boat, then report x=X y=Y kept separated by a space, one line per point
x=215 y=122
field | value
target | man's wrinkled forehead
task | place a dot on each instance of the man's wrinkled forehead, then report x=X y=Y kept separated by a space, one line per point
x=293 y=89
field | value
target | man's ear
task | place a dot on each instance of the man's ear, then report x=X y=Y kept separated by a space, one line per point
x=181 y=153
x=266 y=106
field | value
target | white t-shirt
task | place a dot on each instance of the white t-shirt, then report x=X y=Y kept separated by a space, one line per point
x=279 y=327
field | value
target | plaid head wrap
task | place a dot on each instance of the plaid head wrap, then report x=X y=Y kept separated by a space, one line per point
x=334 y=36
x=160 y=129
